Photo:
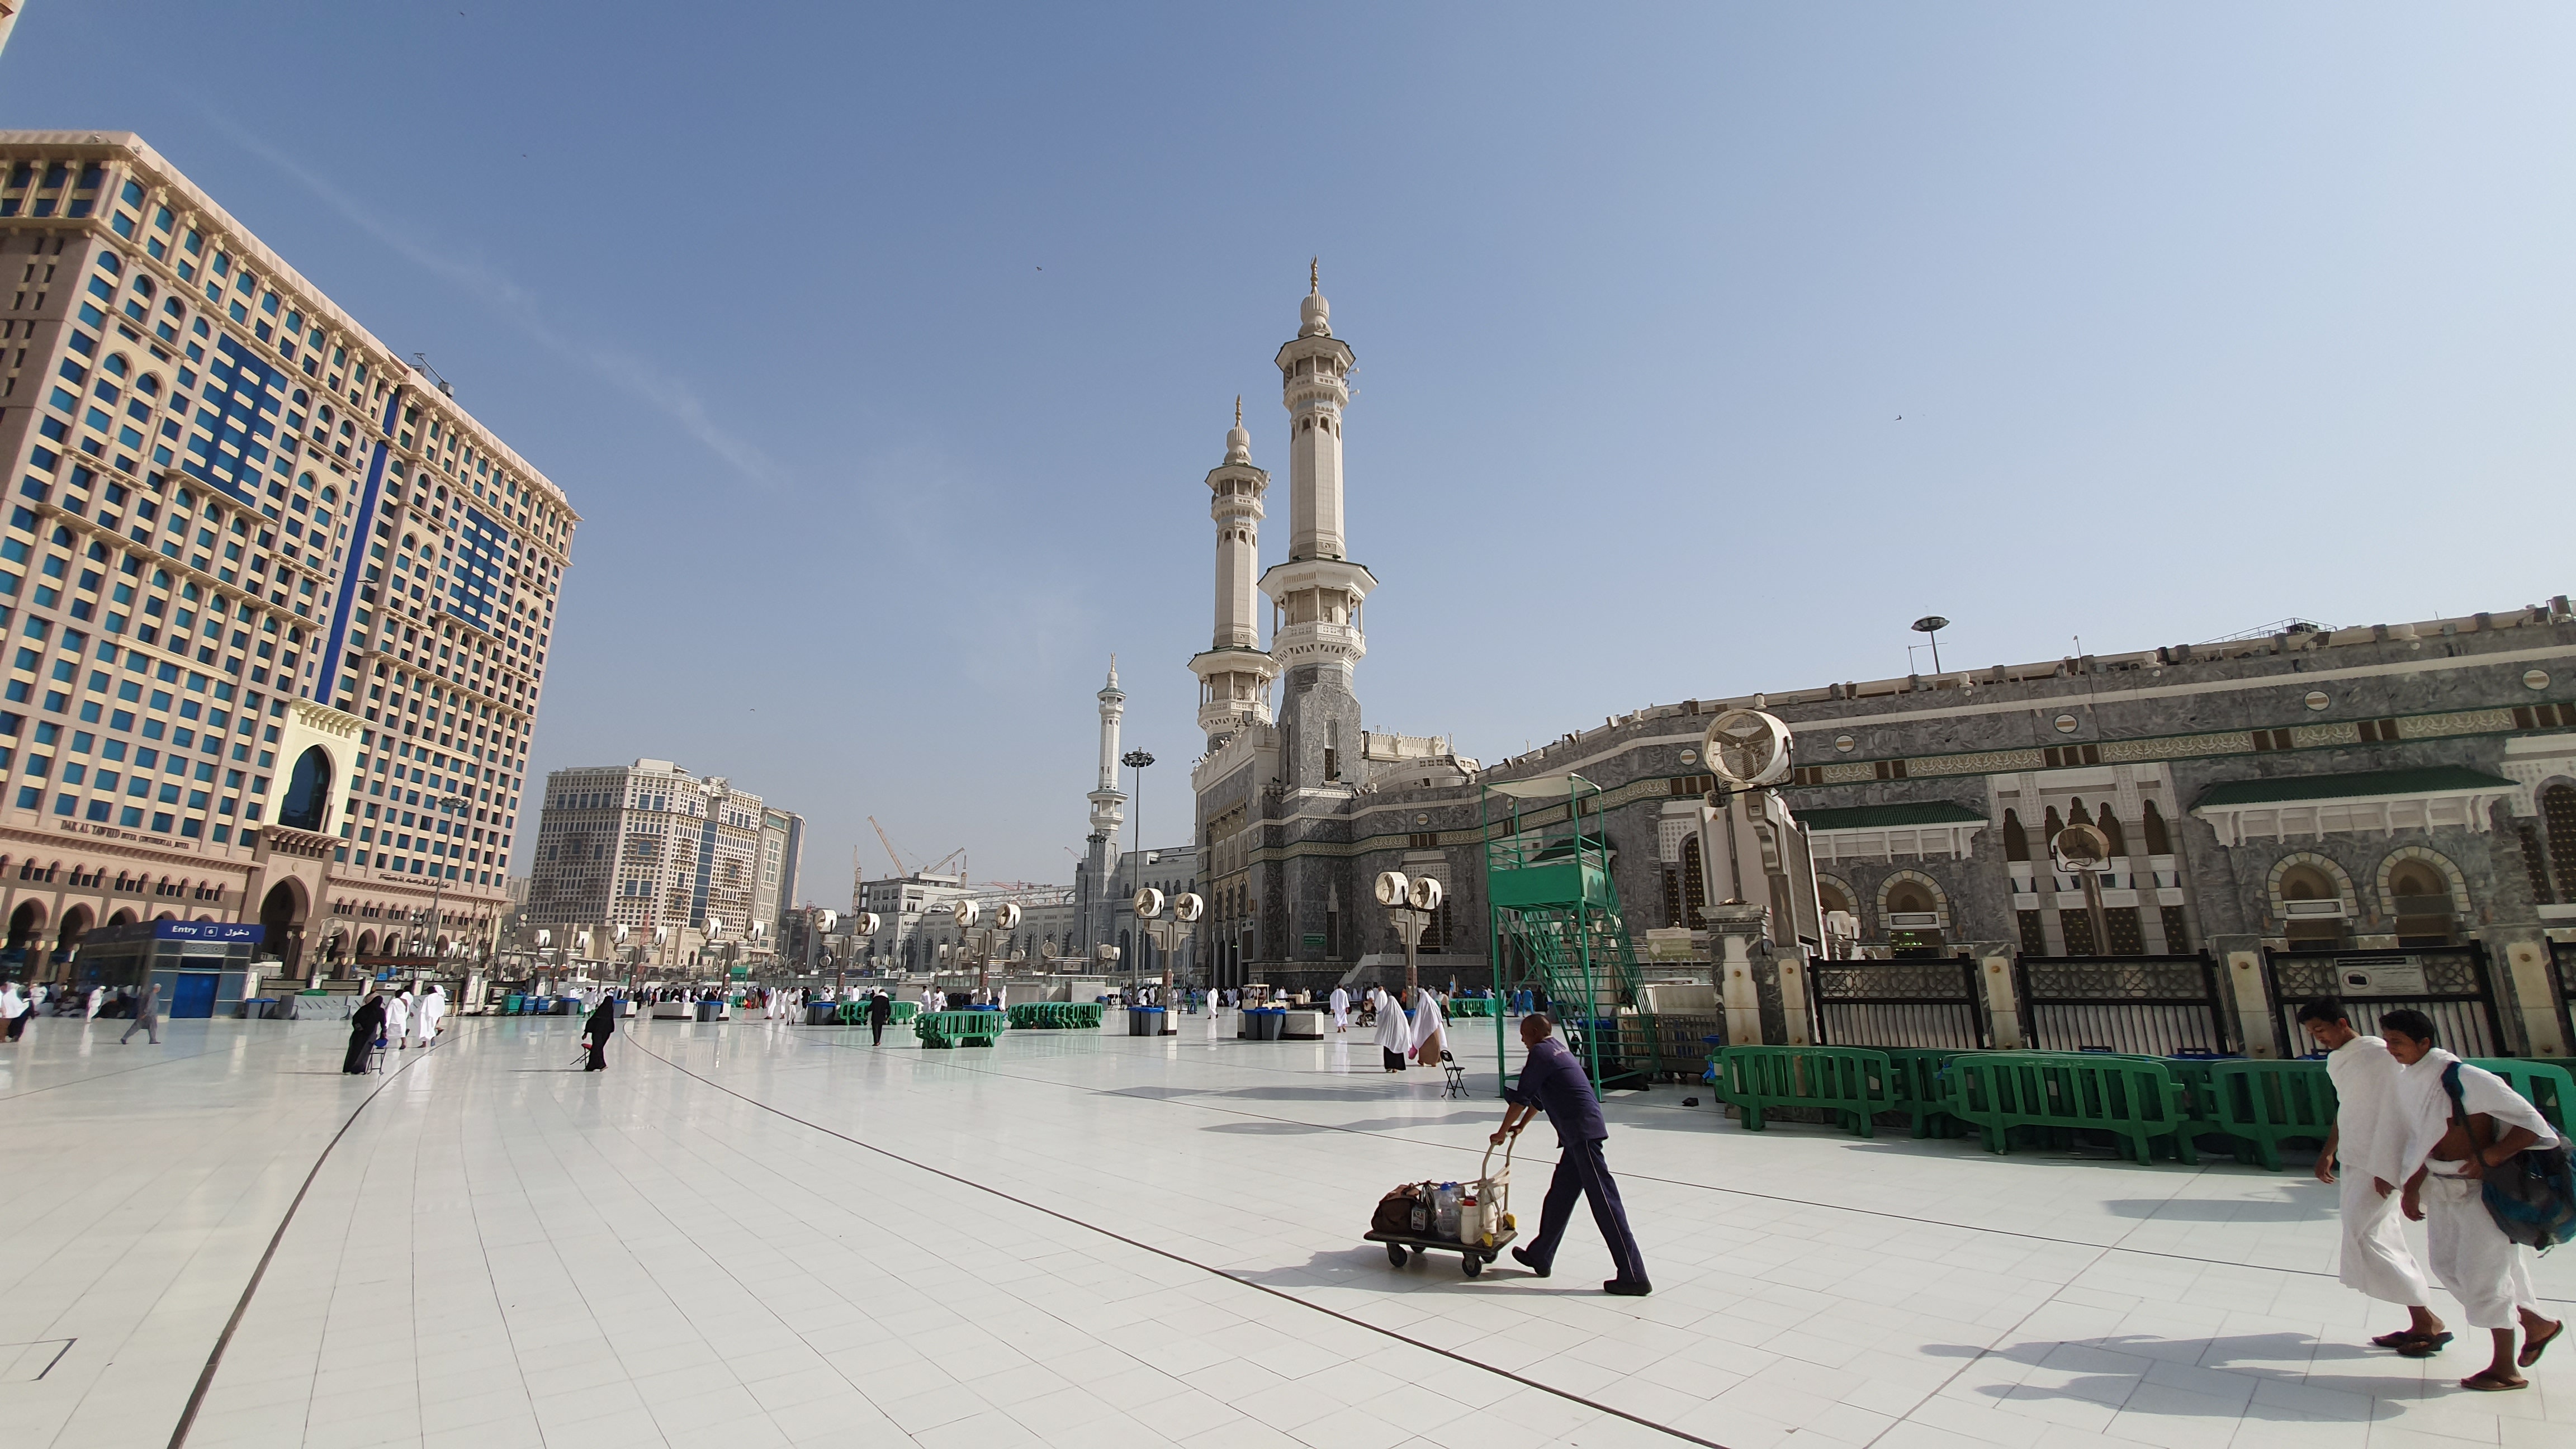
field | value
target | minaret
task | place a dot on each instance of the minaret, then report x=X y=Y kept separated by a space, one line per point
x=1235 y=672
x=1318 y=591
x=1099 y=873
x=1108 y=802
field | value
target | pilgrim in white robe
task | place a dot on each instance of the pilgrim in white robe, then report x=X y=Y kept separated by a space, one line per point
x=1428 y=1027
x=432 y=1008
x=2488 y=1272
x=1341 y=1009
x=2369 y=1135
x=397 y=1018
x=1394 y=1033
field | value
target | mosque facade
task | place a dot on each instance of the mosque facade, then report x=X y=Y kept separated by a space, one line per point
x=2310 y=794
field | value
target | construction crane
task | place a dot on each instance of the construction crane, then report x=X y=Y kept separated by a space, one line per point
x=958 y=855
x=899 y=867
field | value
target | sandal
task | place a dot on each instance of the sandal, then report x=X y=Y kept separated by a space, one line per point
x=2400 y=1338
x=2423 y=1345
x=2488 y=1381
x=2533 y=1348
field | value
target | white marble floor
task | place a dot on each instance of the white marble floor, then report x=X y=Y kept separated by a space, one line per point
x=749 y=1234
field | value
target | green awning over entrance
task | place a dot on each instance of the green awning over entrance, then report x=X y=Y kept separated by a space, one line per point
x=2359 y=785
x=1890 y=817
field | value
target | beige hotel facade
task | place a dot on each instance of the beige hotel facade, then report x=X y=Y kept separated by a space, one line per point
x=277 y=608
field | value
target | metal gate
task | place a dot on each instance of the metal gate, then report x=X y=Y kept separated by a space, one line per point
x=1898 y=1004
x=2562 y=971
x=2452 y=986
x=2155 y=1006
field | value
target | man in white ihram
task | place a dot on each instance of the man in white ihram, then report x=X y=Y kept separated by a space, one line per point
x=2444 y=1162
x=427 y=1013
x=2368 y=1135
x=398 y=1018
x=1341 y=1009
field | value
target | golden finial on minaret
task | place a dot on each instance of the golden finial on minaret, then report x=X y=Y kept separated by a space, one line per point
x=1315 y=276
x=1238 y=410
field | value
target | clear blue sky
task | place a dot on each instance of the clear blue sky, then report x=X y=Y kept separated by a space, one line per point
x=884 y=348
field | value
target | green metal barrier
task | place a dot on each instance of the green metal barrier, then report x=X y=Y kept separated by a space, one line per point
x=1922 y=1088
x=1850 y=1082
x=2543 y=1084
x=2133 y=1099
x=2264 y=1104
x=958 y=1028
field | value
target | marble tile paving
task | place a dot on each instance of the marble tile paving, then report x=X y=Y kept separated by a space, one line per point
x=758 y=1234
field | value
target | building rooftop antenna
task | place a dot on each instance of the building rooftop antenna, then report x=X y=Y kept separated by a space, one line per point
x=445 y=388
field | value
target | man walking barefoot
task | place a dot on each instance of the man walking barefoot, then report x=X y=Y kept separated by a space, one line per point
x=1552 y=1081
x=2451 y=1142
x=2368 y=1135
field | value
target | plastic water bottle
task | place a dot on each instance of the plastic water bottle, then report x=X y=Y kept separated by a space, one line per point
x=1471 y=1219
x=1445 y=1211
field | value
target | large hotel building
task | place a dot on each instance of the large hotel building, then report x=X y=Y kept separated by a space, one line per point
x=277 y=608
x=648 y=865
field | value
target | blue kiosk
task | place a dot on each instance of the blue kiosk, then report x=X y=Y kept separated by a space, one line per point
x=201 y=966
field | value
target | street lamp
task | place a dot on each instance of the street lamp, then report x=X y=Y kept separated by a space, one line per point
x=1410 y=900
x=1137 y=760
x=1931 y=625
x=1166 y=934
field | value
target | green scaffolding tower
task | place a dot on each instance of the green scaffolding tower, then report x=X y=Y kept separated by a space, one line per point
x=1557 y=927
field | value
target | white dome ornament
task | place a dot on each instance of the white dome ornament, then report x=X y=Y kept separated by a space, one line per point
x=1747 y=748
x=1315 y=315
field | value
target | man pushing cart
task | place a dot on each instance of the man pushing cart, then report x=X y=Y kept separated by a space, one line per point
x=1552 y=1081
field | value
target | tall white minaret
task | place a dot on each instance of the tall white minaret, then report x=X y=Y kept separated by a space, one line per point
x=1318 y=591
x=1108 y=802
x=1235 y=672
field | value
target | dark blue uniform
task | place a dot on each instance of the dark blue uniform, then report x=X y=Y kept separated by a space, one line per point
x=1553 y=1081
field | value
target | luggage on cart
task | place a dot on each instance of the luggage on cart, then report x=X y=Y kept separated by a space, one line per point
x=1471 y=1219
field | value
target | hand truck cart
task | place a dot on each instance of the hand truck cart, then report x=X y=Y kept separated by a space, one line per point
x=1493 y=1205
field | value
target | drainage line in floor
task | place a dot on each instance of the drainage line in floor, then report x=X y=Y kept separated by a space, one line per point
x=1165 y=1253
x=215 y=1359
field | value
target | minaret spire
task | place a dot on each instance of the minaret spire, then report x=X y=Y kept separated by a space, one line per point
x=1314 y=276
x=1318 y=591
x=1234 y=672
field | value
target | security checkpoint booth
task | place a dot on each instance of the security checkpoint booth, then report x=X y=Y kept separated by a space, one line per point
x=202 y=967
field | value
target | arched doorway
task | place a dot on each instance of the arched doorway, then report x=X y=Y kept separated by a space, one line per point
x=24 y=923
x=308 y=793
x=123 y=917
x=67 y=939
x=281 y=918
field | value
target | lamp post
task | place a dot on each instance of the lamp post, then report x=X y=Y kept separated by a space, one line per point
x=1137 y=760
x=1409 y=900
x=1931 y=626
x=1166 y=934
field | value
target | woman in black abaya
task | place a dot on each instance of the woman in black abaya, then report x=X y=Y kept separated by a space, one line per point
x=365 y=1025
x=601 y=1026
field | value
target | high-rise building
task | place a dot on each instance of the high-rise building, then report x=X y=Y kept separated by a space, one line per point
x=659 y=851
x=279 y=607
x=782 y=848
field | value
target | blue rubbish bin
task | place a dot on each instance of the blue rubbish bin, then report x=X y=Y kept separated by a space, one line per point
x=1145 y=1021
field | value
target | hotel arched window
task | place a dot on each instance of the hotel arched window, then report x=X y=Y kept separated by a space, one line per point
x=2016 y=839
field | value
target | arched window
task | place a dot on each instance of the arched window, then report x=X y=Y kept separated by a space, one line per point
x=2307 y=883
x=2052 y=825
x=2158 y=841
x=116 y=363
x=2111 y=830
x=2016 y=839
x=308 y=794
